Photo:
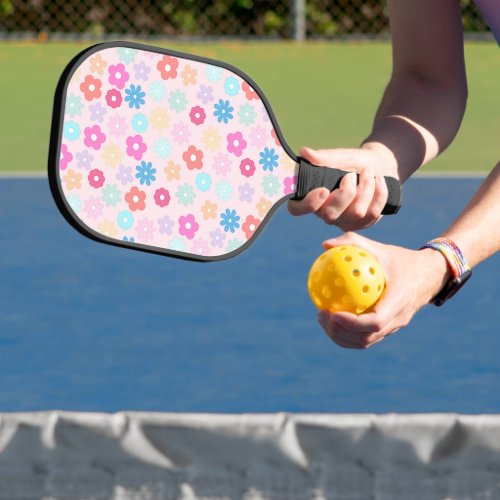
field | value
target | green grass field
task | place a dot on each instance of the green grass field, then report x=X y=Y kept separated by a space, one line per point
x=323 y=95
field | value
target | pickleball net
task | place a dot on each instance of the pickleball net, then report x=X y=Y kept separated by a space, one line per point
x=159 y=456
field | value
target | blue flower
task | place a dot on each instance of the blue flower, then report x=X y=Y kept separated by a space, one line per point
x=125 y=220
x=71 y=131
x=231 y=86
x=223 y=111
x=214 y=73
x=126 y=54
x=145 y=173
x=224 y=190
x=177 y=244
x=135 y=96
x=203 y=182
x=74 y=201
x=269 y=159
x=73 y=105
x=178 y=101
x=156 y=91
x=130 y=240
x=229 y=220
x=163 y=148
x=140 y=123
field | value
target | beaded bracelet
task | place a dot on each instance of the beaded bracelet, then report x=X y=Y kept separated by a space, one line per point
x=460 y=269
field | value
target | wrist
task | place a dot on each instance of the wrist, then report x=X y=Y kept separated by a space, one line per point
x=386 y=157
x=437 y=272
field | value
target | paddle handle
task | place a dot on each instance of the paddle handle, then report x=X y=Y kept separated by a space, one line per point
x=312 y=177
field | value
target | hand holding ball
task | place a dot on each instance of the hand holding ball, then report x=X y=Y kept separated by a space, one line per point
x=346 y=278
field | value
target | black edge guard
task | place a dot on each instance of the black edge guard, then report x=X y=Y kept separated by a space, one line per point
x=311 y=177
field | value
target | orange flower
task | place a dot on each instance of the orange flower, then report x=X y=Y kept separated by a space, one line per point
x=263 y=206
x=168 y=67
x=189 y=75
x=209 y=210
x=250 y=225
x=73 y=180
x=136 y=199
x=193 y=158
x=91 y=88
x=98 y=64
x=173 y=171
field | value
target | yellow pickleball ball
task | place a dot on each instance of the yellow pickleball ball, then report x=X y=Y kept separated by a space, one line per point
x=346 y=278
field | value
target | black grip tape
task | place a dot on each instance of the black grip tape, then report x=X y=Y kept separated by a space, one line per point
x=312 y=177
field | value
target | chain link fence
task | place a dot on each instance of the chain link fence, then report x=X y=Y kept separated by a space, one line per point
x=284 y=19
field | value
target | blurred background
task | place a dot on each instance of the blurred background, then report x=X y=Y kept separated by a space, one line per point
x=283 y=19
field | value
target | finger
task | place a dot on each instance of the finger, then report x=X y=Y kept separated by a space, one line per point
x=338 y=201
x=348 y=238
x=311 y=203
x=365 y=191
x=380 y=195
x=339 y=335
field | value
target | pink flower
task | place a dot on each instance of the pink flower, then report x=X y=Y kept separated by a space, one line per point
x=197 y=115
x=247 y=167
x=65 y=157
x=258 y=136
x=136 y=147
x=188 y=226
x=290 y=184
x=222 y=164
x=94 y=137
x=93 y=208
x=181 y=133
x=200 y=247
x=162 y=197
x=114 y=98
x=236 y=144
x=117 y=126
x=145 y=230
x=117 y=75
x=96 y=178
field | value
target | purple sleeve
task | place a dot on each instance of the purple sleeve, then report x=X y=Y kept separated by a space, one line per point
x=490 y=9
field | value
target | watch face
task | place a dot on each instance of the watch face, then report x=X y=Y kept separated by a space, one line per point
x=451 y=288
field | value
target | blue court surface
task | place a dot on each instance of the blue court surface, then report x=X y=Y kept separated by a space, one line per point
x=91 y=327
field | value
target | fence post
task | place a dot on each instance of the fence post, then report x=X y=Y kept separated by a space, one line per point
x=299 y=20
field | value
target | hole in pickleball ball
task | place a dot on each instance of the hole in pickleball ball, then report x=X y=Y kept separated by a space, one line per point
x=327 y=293
x=372 y=270
x=317 y=276
x=317 y=300
x=356 y=273
x=379 y=287
x=362 y=254
x=348 y=258
x=366 y=289
x=330 y=268
x=336 y=306
x=360 y=309
x=339 y=281
x=346 y=299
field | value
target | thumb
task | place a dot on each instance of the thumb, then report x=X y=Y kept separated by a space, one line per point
x=339 y=158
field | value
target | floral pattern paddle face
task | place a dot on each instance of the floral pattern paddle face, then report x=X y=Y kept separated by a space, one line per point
x=165 y=152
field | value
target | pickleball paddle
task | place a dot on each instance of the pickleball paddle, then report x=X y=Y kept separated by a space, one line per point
x=171 y=153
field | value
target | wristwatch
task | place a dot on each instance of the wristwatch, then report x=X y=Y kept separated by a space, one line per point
x=460 y=270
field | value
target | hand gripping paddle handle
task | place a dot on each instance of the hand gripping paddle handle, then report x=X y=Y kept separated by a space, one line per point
x=311 y=177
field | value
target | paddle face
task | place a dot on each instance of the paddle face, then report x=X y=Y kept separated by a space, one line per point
x=165 y=152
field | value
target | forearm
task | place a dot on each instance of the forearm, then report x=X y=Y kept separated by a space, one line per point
x=416 y=120
x=477 y=230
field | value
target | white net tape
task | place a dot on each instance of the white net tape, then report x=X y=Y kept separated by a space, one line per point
x=160 y=456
